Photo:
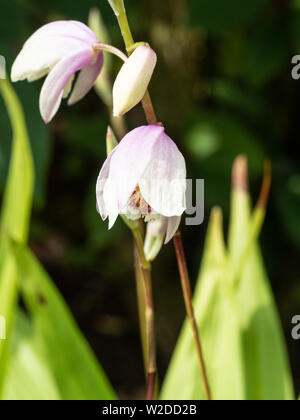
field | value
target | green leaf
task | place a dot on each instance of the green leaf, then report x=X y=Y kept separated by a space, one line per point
x=244 y=347
x=215 y=312
x=8 y=300
x=15 y=215
x=78 y=374
x=266 y=52
x=28 y=376
x=266 y=367
x=17 y=201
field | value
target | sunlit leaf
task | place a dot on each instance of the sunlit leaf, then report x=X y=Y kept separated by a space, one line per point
x=78 y=374
x=266 y=366
x=15 y=215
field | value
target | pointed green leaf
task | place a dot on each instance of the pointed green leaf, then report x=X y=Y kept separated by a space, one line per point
x=215 y=311
x=15 y=214
x=78 y=374
x=266 y=367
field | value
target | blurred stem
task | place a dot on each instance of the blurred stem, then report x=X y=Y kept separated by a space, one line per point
x=187 y=293
x=141 y=306
x=147 y=302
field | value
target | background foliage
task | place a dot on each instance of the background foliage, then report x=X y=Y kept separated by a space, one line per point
x=223 y=86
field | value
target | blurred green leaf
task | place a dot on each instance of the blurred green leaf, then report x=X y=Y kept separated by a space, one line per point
x=265 y=361
x=28 y=376
x=99 y=236
x=217 y=16
x=77 y=373
x=215 y=312
x=244 y=347
x=222 y=137
x=239 y=98
x=288 y=203
x=213 y=140
x=17 y=200
x=266 y=52
x=16 y=209
x=38 y=135
x=88 y=134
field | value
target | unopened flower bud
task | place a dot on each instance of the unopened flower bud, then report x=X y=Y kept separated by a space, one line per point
x=155 y=236
x=159 y=231
x=133 y=79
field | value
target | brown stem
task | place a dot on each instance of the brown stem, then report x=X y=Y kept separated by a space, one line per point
x=187 y=293
x=148 y=109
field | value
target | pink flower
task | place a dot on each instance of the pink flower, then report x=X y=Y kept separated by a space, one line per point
x=59 y=50
x=143 y=177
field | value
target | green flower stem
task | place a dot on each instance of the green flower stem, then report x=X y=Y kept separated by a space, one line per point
x=130 y=44
x=110 y=49
x=145 y=271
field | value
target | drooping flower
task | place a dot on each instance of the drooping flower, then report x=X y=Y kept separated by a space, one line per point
x=133 y=80
x=159 y=231
x=143 y=177
x=59 y=49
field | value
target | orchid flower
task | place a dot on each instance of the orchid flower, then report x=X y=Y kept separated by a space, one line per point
x=143 y=177
x=59 y=49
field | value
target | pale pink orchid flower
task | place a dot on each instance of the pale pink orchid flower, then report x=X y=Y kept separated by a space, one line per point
x=144 y=177
x=59 y=50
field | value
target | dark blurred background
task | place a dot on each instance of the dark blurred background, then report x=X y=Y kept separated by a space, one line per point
x=222 y=86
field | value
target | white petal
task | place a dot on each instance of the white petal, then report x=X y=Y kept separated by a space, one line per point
x=86 y=80
x=131 y=158
x=163 y=184
x=173 y=225
x=101 y=187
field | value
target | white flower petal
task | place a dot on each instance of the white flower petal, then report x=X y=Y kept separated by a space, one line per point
x=57 y=80
x=173 y=225
x=163 y=184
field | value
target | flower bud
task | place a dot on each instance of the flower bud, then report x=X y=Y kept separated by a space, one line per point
x=133 y=79
x=155 y=236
